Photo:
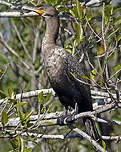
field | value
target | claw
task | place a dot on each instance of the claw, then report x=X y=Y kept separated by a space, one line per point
x=66 y=120
x=70 y=119
x=76 y=108
x=65 y=111
x=63 y=120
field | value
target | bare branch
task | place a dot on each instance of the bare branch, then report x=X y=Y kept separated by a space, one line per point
x=47 y=118
x=46 y=91
x=117 y=138
x=93 y=31
x=31 y=94
x=36 y=41
x=43 y=136
x=97 y=146
x=81 y=133
x=4 y=72
x=7 y=4
x=19 y=36
x=17 y=14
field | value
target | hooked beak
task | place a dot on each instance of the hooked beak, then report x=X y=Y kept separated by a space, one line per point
x=38 y=10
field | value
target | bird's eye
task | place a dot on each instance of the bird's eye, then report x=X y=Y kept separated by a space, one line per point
x=39 y=8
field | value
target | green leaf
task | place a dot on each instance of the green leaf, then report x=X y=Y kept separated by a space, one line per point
x=88 y=17
x=79 y=33
x=69 y=50
x=118 y=67
x=47 y=122
x=79 y=10
x=2 y=94
x=29 y=149
x=117 y=21
x=72 y=13
x=40 y=97
x=117 y=118
x=37 y=64
x=118 y=38
x=10 y=92
x=73 y=74
x=93 y=74
x=100 y=50
x=108 y=13
x=1 y=72
x=21 y=115
x=116 y=10
x=48 y=97
x=51 y=142
x=113 y=33
x=27 y=116
x=104 y=144
x=20 y=104
x=51 y=2
x=3 y=59
x=4 y=118
x=14 y=143
x=14 y=101
x=84 y=76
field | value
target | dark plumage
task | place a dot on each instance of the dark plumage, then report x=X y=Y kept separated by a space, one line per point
x=59 y=65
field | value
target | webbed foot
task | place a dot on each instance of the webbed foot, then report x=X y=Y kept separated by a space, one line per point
x=67 y=120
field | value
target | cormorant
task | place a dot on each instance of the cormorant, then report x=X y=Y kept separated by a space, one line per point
x=60 y=65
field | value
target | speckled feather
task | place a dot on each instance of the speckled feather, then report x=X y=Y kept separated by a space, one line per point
x=59 y=66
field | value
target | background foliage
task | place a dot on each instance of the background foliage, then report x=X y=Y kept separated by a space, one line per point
x=82 y=35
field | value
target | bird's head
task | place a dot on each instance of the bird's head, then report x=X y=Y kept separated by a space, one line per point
x=45 y=10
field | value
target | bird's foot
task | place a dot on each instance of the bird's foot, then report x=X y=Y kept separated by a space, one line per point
x=67 y=120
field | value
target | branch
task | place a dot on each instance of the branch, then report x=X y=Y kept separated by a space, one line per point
x=36 y=135
x=7 y=4
x=62 y=137
x=97 y=146
x=30 y=94
x=46 y=91
x=37 y=30
x=103 y=94
x=3 y=73
x=51 y=118
x=117 y=138
x=20 y=39
x=81 y=133
x=17 y=14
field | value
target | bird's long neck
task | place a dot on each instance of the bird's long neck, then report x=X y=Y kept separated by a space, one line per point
x=52 y=27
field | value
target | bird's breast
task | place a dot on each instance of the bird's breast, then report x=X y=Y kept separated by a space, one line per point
x=54 y=65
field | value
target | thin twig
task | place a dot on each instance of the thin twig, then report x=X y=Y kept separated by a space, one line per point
x=4 y=43
x=17 y=14
x=19 y=36
x=1 y=77
x=36 y=41
x=93 y=30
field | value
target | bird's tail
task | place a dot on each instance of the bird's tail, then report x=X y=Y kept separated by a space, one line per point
x=91 y=129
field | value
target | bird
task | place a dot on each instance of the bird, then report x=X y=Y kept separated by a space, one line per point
x=60 y=66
